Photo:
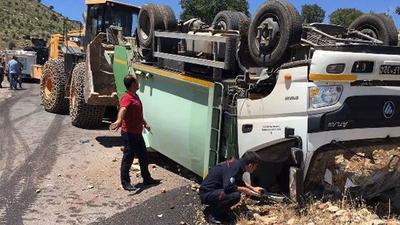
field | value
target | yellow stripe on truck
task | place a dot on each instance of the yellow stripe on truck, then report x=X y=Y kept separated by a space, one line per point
x=175 y=75
x=120 y=61
x=325 y=77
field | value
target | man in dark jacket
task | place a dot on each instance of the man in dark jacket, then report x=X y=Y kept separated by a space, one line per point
x=222 y=186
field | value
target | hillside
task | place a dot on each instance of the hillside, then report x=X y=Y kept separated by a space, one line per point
x=21 y=20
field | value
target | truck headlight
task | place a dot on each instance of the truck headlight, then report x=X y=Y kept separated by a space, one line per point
x=325 y=95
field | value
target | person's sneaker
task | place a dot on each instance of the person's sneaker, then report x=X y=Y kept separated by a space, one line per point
x=151 y=182
x=210 y=218
x=129 y=187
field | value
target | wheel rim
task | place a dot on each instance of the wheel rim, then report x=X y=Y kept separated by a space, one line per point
x=145 y=25
x=48 y=86
x=267 y=33
x=370 y=31
x=222 y=25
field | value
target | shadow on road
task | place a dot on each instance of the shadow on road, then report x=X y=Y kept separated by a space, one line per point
x=110 y=141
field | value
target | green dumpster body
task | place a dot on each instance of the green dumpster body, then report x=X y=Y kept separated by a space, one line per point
x=178 y=108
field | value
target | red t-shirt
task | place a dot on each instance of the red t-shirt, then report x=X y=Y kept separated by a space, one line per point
x=133 y=120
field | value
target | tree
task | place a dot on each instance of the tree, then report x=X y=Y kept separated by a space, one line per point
x=312 y=13
x=11 y=45
x=344 y=17
x=207 y=9
x=51 y=7
x=398 y=10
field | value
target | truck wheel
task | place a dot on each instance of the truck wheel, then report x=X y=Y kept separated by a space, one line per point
x=377 y=26
x=154 y=17
x=169 y=19
x=82 y=114
x=53 y=82
x=275 y=27
x=229 y=20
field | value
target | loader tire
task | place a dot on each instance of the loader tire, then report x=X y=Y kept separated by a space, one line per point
x=377 y=26
x=154 y=17
x=285 y=19
x=229 y=20
x=53 y=82
x=83 y=115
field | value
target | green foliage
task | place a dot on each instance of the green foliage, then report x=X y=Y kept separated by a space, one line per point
x=344 y=17
x=54 y=17
x=26 y=37
x=11 y=45
x=51 y=7
x=312 y=13
x=207 y=9
x=398 y=10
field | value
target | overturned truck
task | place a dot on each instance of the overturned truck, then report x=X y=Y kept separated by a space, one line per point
x=318 y=102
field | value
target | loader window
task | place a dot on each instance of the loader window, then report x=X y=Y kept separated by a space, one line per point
x=121 y=17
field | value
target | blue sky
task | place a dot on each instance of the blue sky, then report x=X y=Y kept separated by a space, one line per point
x=74 y=8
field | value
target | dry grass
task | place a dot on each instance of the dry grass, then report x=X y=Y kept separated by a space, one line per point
x=344 y=211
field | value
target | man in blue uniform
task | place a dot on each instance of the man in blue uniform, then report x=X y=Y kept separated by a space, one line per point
x=13 y=71
x=222 y=186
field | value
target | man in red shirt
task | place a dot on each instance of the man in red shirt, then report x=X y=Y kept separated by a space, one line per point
x=130 y=117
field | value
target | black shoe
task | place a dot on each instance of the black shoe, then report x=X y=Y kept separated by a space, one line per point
x=210 y=217
x=151 y=182
x=129 y=187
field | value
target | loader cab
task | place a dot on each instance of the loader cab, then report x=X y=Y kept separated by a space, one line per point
x=102 y=14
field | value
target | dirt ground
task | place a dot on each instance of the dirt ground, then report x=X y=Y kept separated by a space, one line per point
x=51 y=177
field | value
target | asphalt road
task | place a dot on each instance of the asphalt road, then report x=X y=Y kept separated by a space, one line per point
x=45 y=173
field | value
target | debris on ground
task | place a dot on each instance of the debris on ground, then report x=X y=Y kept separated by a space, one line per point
x=252 y=212
x=195 y=187
x=38 y=191
x=90 y=187
x=370 y=171
x=83 y=141
x=162 y=190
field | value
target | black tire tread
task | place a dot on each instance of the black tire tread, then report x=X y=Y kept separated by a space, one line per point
x=83 y=115
x=56 y=102
x=385 y=30
x=231 y=19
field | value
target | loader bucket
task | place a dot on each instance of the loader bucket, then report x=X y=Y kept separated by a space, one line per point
x=100 y=86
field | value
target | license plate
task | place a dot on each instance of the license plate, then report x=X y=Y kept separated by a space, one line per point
x=389 y=69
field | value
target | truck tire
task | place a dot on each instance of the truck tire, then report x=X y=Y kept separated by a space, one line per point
x=53 y=82
x=154 y=17
x=169 y=20
x=83 y=115
x=377 y=26
x=286 y=23
x=229 y=20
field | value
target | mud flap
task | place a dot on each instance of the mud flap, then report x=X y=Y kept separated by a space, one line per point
x=296 y=184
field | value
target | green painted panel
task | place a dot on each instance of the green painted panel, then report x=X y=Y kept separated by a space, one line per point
x=120 y=69
x=179 y=113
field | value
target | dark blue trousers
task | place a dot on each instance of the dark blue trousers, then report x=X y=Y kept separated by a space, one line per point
x=134 y=144
x=219 y=202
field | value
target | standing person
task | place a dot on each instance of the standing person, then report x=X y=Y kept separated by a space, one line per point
x=130 y=117
x=222 y=186
x=21 y=67
x=13 y=71
x=1 y=72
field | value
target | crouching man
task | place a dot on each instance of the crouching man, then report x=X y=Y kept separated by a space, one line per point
x=222 y=186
